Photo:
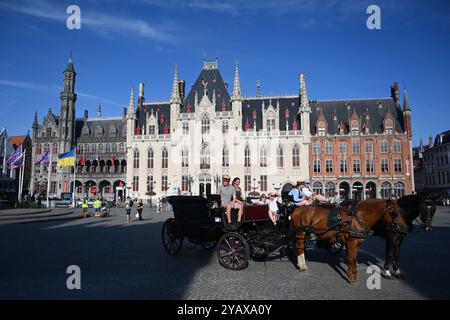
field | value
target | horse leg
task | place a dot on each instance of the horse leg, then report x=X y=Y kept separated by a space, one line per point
x=389 y=254
x=352 y=253
x=300 y=249
x=396 y=264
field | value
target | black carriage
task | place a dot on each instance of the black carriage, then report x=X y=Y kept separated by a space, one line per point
x=202 y=221
x=195 y=218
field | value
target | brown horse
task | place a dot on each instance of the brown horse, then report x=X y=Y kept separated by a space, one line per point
x=350 y=229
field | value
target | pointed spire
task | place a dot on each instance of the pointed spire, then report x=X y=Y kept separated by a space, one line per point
x=258 y=88
x=70 y=67
x=304 y=102
x=430 y=141
x=35 y=120
x=99 y=111
x=175 y=98
x=421 y=144
x=131 y=104
x=236 y=84
x=405 y=101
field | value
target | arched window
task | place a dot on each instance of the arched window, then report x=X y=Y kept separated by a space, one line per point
x=100 y=148
x=280 y=156
x=225 y=156
x=296 y=156
x=184 y=183
x=205 y=157
x=94 y=148
x=318 y=187
x=386 y=190
x=114 y=148
x=205 y=124
x=399 y=189
x=38 y=149
x=136 y=159
x=184 y=158
x=263 y=157
x=55 y=148
x=247 y=160
x=107 y=148
x=164 y=158
x=330 y=188
x=150 y=158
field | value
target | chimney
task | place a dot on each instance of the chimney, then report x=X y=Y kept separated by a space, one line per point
x=182 y=89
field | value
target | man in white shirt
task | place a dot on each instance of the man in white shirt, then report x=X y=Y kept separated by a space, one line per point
x=273 y=208
x=310 y=195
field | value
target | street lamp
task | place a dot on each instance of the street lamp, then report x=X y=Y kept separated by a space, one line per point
x=275 y=187
x=254 y=184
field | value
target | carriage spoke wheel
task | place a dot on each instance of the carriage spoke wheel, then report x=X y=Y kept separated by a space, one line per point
x=233 y=251
x=172 y=236
x=335 y=248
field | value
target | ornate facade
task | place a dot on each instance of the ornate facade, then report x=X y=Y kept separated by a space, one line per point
x=100 y=142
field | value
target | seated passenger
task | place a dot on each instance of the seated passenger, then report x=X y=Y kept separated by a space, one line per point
x=273 y=207
x=227 y=195
x=263 y=199
x=310 y=195
x=238 y=201
x=297 y=195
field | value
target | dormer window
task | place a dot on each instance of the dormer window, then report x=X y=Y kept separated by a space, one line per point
x=355 y=128
x=389 y=126
x=270 y=124
x=185 y=128
x=205 y=124
x=321 y=129
x=151 y=129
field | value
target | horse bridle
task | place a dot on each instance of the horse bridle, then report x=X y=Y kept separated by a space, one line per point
x=395 y=225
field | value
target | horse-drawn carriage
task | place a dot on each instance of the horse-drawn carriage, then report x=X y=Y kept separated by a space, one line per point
x=203 y=221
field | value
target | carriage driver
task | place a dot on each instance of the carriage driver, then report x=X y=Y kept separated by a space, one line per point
x=297 y=194
x=228 y=197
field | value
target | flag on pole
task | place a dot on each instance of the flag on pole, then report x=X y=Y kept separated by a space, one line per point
x=44 y=159
x=66 y=159
x=14 y=156
x=18 y=162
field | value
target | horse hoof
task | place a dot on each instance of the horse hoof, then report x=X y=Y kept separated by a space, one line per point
x=303 y=269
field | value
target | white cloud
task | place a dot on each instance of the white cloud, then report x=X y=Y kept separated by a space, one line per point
x=102 y=23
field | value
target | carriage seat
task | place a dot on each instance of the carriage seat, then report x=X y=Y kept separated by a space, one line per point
x=190 y=209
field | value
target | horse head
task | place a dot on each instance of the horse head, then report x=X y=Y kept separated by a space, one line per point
x=427 y=209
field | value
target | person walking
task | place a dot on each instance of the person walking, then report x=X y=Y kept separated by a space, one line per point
x=85 y=207
x=128 y=206
x=140 y=207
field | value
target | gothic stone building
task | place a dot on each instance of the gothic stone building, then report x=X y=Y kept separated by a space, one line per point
x=360 y=148
x=100 y=143
x=186 y=144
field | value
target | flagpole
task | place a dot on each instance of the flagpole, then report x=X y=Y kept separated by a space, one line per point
x=48 y=179
x=74 y=171
x=21 y=174
x=4 y=155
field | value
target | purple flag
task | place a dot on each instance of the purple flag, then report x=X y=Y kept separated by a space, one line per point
x=14 y=156
x=44 y=159
x=18 y=162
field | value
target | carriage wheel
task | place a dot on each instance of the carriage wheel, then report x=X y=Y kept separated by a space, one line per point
x=233 y=251
x=335 y=248
x=172 y=236
x=209 y=245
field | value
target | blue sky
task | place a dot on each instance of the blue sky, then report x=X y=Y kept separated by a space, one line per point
x=124 y=42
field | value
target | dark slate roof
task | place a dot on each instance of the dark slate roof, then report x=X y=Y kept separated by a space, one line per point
x=163 y=109
x=107 y=123
x=344 y=108
x=445 y=138
x=255 y=104
x=214 y=82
